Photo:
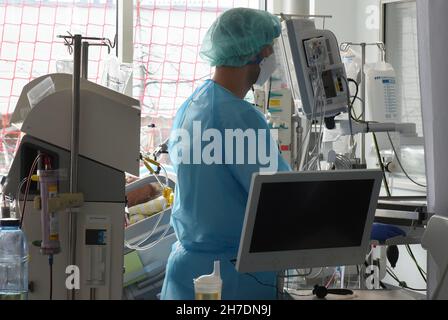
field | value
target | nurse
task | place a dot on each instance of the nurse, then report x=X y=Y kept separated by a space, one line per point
x=218 y=141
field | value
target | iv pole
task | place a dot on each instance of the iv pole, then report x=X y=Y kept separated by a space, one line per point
x=80 y=50
x=344 y=47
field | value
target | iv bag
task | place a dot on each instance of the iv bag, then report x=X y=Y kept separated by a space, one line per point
x=382 y=100
x=116 y=75
x=381 y=87
x=352 y=62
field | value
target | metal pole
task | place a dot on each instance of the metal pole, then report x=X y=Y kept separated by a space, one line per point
x=363 y=102
x=126 y=36
x=296 y=6
x=74 y=147
x=85 y=60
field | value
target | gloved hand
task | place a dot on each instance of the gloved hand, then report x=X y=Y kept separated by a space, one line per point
x=382 y=232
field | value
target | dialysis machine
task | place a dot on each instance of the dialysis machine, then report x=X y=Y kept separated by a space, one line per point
x=75 y=238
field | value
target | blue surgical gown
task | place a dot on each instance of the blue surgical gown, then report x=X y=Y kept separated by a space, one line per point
x=210 y=199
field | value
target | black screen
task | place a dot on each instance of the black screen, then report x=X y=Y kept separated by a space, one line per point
x=327 y=79
x=96 y=237
x=311 y=215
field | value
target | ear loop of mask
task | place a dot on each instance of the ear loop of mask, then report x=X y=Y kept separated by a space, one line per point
x=257 y=60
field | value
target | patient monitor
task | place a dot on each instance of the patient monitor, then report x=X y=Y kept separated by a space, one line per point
x=308 y=219
x=315 y=72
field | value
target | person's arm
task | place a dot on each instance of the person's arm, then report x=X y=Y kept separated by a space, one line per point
x=142 y=195
x=268 y=158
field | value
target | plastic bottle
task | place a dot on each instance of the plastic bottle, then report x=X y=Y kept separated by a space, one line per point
x=382 y=99
x=6 y=208
x=381 y=83
x=208 y=287
x=13 y=261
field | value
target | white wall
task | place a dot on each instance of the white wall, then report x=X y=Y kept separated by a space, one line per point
x=353 y=21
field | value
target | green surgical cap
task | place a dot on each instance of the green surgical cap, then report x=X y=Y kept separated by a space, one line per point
x=238 y=35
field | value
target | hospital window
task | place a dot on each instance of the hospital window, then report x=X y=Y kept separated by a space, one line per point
x=29 y=49
x=167 y=66
x=399 y=31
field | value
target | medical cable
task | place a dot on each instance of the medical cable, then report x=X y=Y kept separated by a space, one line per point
x=19 y=190
x=350 y=107
x=355 y=96
x=268 y=103
x=311 y=123
x=408 y=247
x=147 y=161
x=304 y=274
x=380 y=162
x=321 y=129
x=309 y=164
x=317 y=274
x=27 y=188
x=357 y=118
x=233 y=261
x=300 y=295
x=50 y=263
x=154 y=243
x=331 y=279
x=146 y=238
x=420 y=270
x=401 y=166
x=135 y=246
x=309 y=129
x=401 y=283
x=166 y=175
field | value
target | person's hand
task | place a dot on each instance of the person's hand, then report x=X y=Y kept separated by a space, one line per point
x=381 y=232
x=142 y=195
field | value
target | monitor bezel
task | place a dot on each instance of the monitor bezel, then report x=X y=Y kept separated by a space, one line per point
x=290 y=259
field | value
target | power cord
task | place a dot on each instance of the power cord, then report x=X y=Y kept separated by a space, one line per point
x=401 y=166
x=50 y=263
x=233 y=261
x=380 y=162
x=402 y=284
x=27 y=188
x=355 y=96
x=420 y=270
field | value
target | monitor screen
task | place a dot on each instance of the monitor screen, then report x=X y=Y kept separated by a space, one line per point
x=311 y=215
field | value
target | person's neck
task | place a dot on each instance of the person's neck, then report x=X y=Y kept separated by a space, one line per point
x=233 y=79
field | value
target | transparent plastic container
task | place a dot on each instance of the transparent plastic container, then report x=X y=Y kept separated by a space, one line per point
x=13 y=261
x=208 y=287
x=64 y=66
x=116 y=75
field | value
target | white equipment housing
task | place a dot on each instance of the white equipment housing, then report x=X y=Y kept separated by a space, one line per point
x=312 y=59
x=98 y=138
x=109 y=145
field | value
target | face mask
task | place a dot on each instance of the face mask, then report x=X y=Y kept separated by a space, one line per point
x=267 y=68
